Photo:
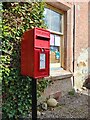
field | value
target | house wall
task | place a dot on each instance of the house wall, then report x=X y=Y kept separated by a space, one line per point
x=58 y=88
x=81 y=43
x=81 y=33
x=81 y=48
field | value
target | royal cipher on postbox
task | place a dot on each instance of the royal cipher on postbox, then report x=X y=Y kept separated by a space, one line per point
x=35 y=49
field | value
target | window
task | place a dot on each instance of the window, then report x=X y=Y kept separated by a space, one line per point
x=54 y=22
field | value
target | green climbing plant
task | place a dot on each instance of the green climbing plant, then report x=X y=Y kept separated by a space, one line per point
x=16 y=89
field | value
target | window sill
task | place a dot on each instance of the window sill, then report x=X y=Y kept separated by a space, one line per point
x=59 y=74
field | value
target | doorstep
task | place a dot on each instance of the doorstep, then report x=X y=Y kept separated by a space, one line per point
x=56 y=74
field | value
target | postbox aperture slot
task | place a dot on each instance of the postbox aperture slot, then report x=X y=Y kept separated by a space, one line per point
x=42 y=38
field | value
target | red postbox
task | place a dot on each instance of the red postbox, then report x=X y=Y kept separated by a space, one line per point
x=35 y=48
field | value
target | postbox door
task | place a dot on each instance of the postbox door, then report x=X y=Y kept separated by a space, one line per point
x=41 y=62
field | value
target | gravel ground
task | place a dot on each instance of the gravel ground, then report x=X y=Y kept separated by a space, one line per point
x=70 y=106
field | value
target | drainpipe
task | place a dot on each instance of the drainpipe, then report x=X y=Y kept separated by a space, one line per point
x=73 y=41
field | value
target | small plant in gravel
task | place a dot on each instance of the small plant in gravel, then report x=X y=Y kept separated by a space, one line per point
x=72 y=92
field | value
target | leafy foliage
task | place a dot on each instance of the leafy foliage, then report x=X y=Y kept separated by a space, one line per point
x=16 y=89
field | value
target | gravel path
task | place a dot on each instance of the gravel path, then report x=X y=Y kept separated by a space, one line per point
x=70 y=106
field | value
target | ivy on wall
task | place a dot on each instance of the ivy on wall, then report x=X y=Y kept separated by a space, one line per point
x=16 y=89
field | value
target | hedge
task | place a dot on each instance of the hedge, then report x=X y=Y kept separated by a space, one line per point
x=16 y=89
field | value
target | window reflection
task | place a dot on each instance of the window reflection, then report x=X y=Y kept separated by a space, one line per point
x=53 y=20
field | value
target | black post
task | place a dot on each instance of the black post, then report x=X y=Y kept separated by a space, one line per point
x=34 y=99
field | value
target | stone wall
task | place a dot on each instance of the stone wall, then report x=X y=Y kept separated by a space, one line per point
x=58 y=88
x=81 y=28
x=81 y=43
x=82 y=71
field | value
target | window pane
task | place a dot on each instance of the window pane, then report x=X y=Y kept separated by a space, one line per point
x=54 y=48
x=53 y=20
